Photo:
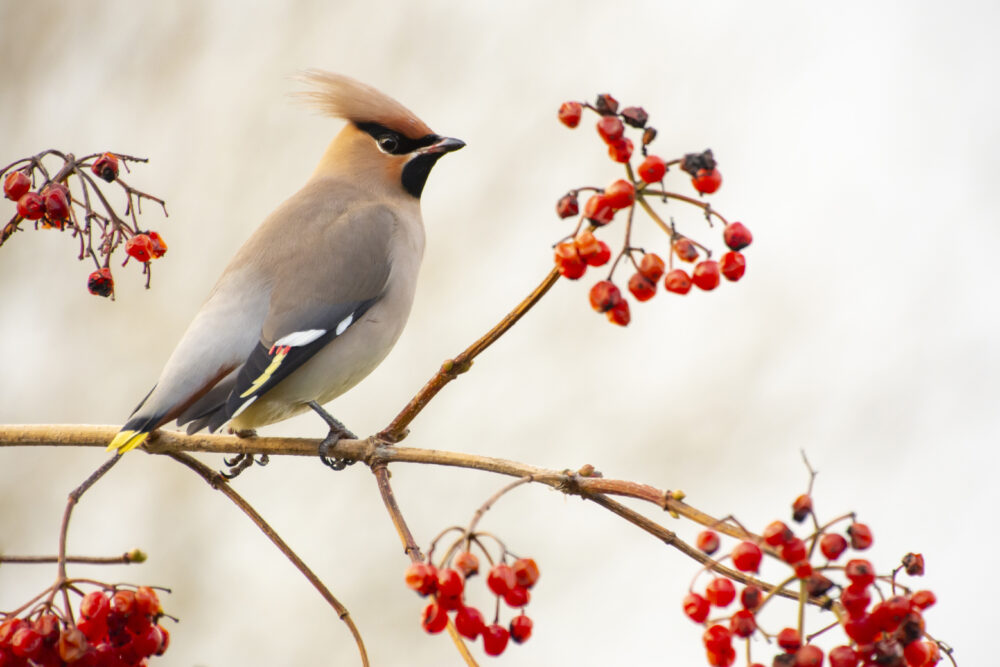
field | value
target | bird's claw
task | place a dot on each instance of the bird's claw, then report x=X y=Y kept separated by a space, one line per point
x=331 y=440
x=240 y=462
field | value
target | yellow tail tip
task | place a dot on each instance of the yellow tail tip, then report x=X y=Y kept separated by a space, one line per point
x=126 y=440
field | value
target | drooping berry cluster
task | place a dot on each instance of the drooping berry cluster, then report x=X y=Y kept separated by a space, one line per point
x=53 y=205
x=890 y=632
x=115 y=627
x=581 y=249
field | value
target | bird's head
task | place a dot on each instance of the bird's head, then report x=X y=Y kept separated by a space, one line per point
x=384 y=146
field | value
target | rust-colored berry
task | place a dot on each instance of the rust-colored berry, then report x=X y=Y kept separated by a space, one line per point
x=601 y=257
x=677 y=281
x=832 y=545
x=106 y=167
x=16 y=185
x=525 y=571
x=604 y=296
x=31 y=206
x=159 y=245
x=421 y=577
x=72 y=645
x=140 y=247
x=567 y=206
x=652 y=169
x=598 y=210
x=802 y=507
x=652 y=266
x=737 y=236
x=685 y=250
x=707 y=181
x=520 y=628
x=495 y=638
x=751 y=597
x=641 y=287
x=568 y=260
x=621 y=150
x=147 y=601
x=706 y=275
x=605 y=104
x=913 y=564
x=733 y=265
x=569 y=114
x=467 y=563
x=620 y=314
x=707 y=540
x=923 y=599
x=620 y=194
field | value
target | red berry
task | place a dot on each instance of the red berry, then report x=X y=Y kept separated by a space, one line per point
x=737 y=236
x=95 y=605
x=619 y=314
x=803 y=569
x=641 y=287
x=793 y=551
x=743 y=623
x=707 y=181
x=777 y=533
x=469 y=622
x=159 y=245
x=123 y=602
x=610 y=128
x=802 y=507
x=106 y=167
x=147 y=601
x=706 y=275
x=860 y=572
x=47 y=627
x=861 y=536
x=8 y=628
x=448 y=602
x=147 y=642
x=923 y=599
x=789 y=640
x=746 y=557
x=586 y=244
x=696 y=607
x=620 y=194
x=16 y=185
x=30 y=206
x=450 y=583
x=604 y=296
x=889 y=613
x=861 y=629
x=678 y=282
x=567 y=206
x=832 y=545
x=686 y=250
x=809 y=655
x=140 y=246
x=435 y=618
x=467 y=563
x=723 y=658
x=720 y=591
x=606 y=104
x=568 y=261
x=520 y=628
x=165 y=640
x=707 y=540
x=733 y=266
x=598 y=210
x=652 y=169
x=921 y=654
x=621 y=150
x=518 y=596
x=751 y=597
x=843 y=656
x=421 y=577
x=525 y=571
x=913 y=564
x=26 y=643
x=495 y=639
x=56 y=199
x=717 y=639
x=855 y=599
x=101 y=283
x=73 y=645
x=501 y=579
x=94 y=628
x=652 y=266
x=569 y=114
x=601 y=257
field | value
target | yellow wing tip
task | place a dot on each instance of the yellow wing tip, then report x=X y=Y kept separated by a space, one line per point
x=127 y=440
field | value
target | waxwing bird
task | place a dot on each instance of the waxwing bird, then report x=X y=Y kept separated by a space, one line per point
x=319 y=294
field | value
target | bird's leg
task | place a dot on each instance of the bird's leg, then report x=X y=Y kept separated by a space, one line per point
x=337 y=433
x=241 y=462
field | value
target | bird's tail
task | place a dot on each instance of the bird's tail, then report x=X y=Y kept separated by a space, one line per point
x=127 y=439
x=137 y=429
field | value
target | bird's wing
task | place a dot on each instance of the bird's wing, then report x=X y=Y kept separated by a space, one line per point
x=317 y=296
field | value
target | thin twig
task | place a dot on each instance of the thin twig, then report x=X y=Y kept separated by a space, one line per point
x=219 y=483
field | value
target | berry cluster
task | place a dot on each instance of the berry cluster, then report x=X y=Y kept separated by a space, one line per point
x=511 y=583
x=53 y=205
x=117 y=627
x=581 y=249
x=888 y=633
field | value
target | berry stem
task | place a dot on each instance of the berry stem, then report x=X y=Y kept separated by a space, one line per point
x=489 y=503
x=704 y=206
x=410 y=548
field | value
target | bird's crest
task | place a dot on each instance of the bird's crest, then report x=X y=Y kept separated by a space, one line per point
x=343 y=97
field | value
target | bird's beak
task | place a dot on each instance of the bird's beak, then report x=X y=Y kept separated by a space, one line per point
x=444 y=145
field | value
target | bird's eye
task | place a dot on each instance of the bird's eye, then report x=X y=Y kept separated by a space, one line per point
x=388 y=143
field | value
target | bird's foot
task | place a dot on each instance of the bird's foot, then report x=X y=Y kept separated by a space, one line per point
x=240 y=462
x=337 y=433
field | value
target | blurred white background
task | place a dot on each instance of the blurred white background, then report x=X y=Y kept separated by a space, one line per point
x=857 y=140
